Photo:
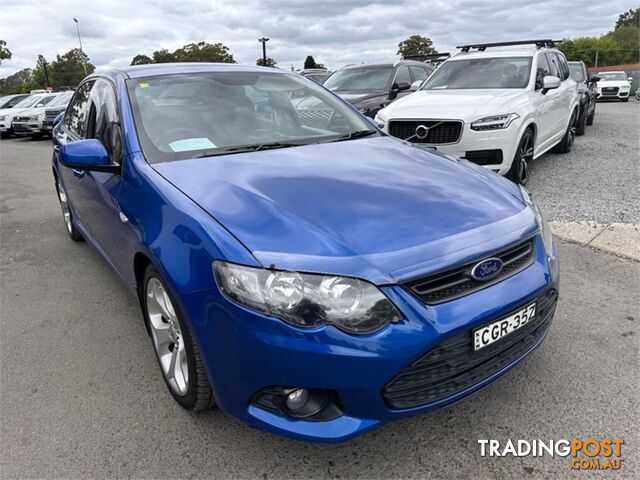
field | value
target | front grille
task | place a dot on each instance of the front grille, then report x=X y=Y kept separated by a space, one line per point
x=440 y=132
x=484 y=157
x=609 y=90
x=51 y=114
x=21 y=119
x=453 y=365
x=20 y=128
x=454 y=283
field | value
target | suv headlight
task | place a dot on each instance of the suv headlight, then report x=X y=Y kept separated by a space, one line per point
x=545 y=230
x=494 y=122
x=3 y=118
x=307 y=300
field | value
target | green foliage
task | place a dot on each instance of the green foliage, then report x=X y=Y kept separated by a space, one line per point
x=69 y=69
x=270 y=62
x=141 y=60
x=192 y=52
x=309 y=62
x=416 y=45
x=5 y=53
x=628 y=40
x=630 y=18
x=65 y=70
x=19 y=82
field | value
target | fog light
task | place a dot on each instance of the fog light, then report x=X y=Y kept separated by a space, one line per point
x=297 y=399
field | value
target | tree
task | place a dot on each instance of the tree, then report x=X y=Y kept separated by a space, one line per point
x=69 y=69
x=629 y=18
x=309 y=62
x=141 y=60
x=19 y=82
x=270 y=62
x=416 y=45
x=5 y=53
x=204 y=52
x=586 y=49
x=163 y=56
x=627 y=39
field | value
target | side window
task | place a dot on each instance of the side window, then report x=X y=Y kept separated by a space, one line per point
x=104 y=122
x=402 y=75
x=418 y=73
x=543 y=70
x=564 y=66
x=77 y=112
x=553 y=64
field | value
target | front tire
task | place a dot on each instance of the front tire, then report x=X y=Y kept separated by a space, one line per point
x=566 y=143
x=581 y=124
x=591 y=115
x=519 y=171
x=176 y=350
x=67 y=216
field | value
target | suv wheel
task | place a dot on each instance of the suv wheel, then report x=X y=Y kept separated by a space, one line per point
x=176 y=350
x=519 y=171
x=569 y=136
x=581 y=124
x=591 y=116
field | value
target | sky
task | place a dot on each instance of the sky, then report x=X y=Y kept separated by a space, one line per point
x=335 y=32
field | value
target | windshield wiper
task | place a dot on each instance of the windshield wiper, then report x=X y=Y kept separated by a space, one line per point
x=247 y=148
x=354 y=135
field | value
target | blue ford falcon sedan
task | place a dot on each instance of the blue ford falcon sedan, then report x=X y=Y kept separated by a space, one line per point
x=295 y=266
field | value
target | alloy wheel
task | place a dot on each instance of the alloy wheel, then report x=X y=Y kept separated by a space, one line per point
x=167 y=337
x=64 y=204
x=526 y=156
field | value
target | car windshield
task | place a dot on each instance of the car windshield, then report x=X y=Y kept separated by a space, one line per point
x=61 y=99
x=478 y=73
x=196 y=115
x=577 y=72
x=361 y=78
x=33 y=100
x=612 y=76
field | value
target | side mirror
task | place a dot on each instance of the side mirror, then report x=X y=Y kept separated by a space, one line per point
x=594 y=78
x=416 y=85
x=550 y=83
x=401 y=86
x=630 y=79
x=89 y=155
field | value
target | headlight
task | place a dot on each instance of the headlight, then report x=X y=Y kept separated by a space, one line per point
x=307 y=300
x=495 y=122
x=624 y=87
x=545 y=230
x=3 y=118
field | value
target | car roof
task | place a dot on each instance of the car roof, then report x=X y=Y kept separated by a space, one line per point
x=153 y=69
x=504 y=51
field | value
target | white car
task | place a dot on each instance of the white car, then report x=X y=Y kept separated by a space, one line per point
x=497 y=105
x=614 y=85
x=7 y=114
x=32 y=121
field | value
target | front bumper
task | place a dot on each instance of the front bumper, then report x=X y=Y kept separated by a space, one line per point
x=612 y=95
x=27 y=128
x=245 y=352
x=480 y=146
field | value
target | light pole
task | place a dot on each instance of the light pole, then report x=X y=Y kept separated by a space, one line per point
x=264 y=41
x=80 y=42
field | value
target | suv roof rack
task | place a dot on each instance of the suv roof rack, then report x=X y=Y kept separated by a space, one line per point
x=430 y=57
x=538 y=43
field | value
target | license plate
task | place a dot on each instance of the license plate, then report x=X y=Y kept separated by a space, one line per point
x=493 y=332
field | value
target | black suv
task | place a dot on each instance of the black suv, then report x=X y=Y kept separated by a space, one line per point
x=372 y=87
x=588 y=95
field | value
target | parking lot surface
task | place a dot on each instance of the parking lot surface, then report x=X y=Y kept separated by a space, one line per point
x=81 y=394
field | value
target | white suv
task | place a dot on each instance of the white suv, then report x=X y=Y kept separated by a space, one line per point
x=497 y=105
x=614 y=85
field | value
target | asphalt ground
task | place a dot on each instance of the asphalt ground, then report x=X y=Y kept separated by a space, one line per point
x=81 y=394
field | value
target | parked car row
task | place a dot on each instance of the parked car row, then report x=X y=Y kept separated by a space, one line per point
x=614 y=85
x=31 y=115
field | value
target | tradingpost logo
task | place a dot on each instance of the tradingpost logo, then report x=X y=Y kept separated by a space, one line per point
x=584 y=454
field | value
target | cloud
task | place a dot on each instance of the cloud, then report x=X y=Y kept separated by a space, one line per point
x=335 y=32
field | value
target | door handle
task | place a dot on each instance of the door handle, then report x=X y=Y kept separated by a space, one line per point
x=78 y=173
